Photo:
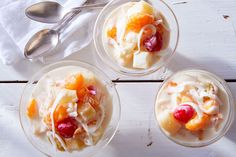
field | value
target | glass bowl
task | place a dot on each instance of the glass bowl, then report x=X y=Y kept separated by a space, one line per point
x=229 y=113
x=44 y=146
x=111 y=62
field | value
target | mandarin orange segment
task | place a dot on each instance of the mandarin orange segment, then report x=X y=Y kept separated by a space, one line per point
x=112 y=32
x=172 y=84
x=197 y=123
x=32 y=109
x=74 y=82
x=206 y=98
x=81 y=94
x=137 y=21
x=60 y=113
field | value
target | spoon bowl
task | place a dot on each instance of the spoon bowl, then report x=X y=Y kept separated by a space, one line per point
x=41 y=43
x=52 y=12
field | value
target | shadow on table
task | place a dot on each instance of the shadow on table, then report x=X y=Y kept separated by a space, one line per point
x=27 y=69
x=231 y=134
x=133 y=145
x=180 y=62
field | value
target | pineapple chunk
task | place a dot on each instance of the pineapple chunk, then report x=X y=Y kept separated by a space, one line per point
x=142 y=60
x=168 y=122
x=86 y=111
x=141 y=7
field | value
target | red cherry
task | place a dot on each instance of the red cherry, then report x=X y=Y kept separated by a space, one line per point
x=67 y=127
x=92 y=90
x=154 y=43
x=184 y=113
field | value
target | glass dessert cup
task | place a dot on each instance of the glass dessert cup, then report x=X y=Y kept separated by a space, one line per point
x=45 y=146
x=108 y=60
x=228 y=114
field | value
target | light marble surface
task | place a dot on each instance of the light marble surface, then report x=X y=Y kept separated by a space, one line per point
x=207 y=41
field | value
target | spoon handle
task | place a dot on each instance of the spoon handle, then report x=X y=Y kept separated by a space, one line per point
x=66 y=20
x=90 y=6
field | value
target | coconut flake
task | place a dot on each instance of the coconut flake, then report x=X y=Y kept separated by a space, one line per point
x=59 y=97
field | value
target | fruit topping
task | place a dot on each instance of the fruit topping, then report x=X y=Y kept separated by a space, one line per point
x=60 y=113
x=153 y=43
x=184 y=113
x=138 y=21
x=172 y=84
x=32 y=109
x=86 y=111
x=92 y=90
x=198 y=123
x=67 y=127
x=112 y=32
x=169 y=123
x=74 y=82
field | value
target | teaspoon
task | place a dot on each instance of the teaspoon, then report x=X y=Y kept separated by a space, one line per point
x=46 y=40
x=53 y=12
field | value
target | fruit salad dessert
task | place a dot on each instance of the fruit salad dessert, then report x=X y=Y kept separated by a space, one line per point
x=192 y=106
x=70 y=108
x=136 y=35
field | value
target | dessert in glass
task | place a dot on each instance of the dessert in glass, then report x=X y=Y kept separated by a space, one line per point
x=72 y=109
x=194 y=108
x=137 y=37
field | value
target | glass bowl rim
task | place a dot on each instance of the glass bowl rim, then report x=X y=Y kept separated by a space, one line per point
x=84 y=65
x=230 y=117
x=131 y=72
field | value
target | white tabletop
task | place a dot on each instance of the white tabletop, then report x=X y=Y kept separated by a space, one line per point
x=207 y=41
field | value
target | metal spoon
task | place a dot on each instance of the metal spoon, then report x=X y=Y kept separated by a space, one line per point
x=52 y=12
x=47 y=39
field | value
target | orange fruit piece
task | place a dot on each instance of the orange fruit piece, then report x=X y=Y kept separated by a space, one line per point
x=137 y=21
x=173 y=84
x=81 y=94
x=60 y=113
x=112 y=32
x=32 y=109
x=74 y=82
x=197 y=124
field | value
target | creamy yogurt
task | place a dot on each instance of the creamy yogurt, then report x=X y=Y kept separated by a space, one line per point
x=197 y=90
x=126 y=46
x=51 y=88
